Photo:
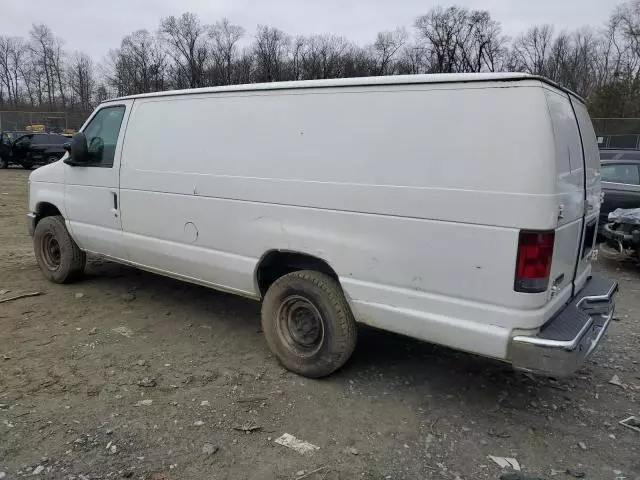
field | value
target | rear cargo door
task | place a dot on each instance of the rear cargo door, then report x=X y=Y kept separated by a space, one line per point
x=569 y=189
x=591 y=159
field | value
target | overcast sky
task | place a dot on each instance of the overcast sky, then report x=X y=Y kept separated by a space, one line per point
x=95 y=26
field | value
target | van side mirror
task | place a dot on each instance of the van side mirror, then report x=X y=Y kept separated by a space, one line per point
x=78 y=150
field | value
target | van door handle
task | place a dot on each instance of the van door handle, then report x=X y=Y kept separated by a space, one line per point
x=115 y=203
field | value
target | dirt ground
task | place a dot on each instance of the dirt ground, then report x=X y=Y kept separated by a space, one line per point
x=131 y=375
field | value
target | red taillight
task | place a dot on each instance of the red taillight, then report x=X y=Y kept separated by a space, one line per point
x=535 y=252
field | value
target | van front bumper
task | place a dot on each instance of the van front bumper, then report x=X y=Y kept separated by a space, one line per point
x=565 y=342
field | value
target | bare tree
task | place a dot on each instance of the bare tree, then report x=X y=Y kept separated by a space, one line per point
x=385 y=48
x=624 y=35
x=101 y=93
x=440 y=30
x=532 y=49
x=319 y=56
x=12 y=54
x=358 y=62
x=412 y=59
x=81 y=79
x=225 y=38
x=244 y=66
x=484 y=45
x=628 y=17
x=57 y=65
x=610 y=55
x=270 y=49
x=572 y=61
x=45 y=50
x=6 y=68
x=459 y=40
x=618 y=64
x=185 y=37
x=139 y=65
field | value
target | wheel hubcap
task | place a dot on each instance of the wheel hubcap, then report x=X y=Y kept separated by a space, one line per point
x=50 y=249
x=301 y=325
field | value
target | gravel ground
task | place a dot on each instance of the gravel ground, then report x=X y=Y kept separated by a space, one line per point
x=131 y=375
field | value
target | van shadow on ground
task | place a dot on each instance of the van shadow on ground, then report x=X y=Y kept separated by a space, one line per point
x=382 y=360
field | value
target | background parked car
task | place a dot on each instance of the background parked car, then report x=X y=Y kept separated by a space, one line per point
x=6 y=141
x=32 y=149
x=620 y=170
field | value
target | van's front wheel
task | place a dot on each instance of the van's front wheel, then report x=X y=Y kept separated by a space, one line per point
x=308 y=323
x=59 y=257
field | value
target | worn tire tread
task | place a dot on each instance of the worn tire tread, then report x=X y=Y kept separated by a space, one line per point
x=77 y=258
x=342 y=341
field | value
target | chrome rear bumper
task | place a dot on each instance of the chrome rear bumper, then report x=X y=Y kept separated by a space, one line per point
x=564 y=342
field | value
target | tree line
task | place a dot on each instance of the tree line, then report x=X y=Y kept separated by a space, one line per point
x=601 y=63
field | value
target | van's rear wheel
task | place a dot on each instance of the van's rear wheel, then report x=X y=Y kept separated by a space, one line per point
x=308 y=323
x=59 y=257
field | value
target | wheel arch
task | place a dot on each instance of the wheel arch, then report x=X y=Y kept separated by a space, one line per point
x=46 y=209
x=275 y=263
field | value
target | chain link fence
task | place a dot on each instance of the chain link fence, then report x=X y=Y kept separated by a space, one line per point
x=617 y=133
x=51 y=121
x=616 y=126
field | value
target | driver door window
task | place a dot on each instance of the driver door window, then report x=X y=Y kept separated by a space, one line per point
x=102 y=135
x=24 y=141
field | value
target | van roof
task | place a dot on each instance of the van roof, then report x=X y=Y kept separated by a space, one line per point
x=359 y=81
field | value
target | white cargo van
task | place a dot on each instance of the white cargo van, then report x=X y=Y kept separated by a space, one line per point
x=456 y=209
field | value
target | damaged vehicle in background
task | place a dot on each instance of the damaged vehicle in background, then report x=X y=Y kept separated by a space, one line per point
x=7 y=138
x=620 y=177
x=622 y=235
x=32 y=149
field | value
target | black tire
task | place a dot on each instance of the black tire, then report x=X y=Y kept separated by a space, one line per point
x=321 y=336
x=59 y=257
x=51 y=159
x=4 y=163
x=27 y=165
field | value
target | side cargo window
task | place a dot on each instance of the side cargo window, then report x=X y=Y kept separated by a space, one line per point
x=102 y=135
